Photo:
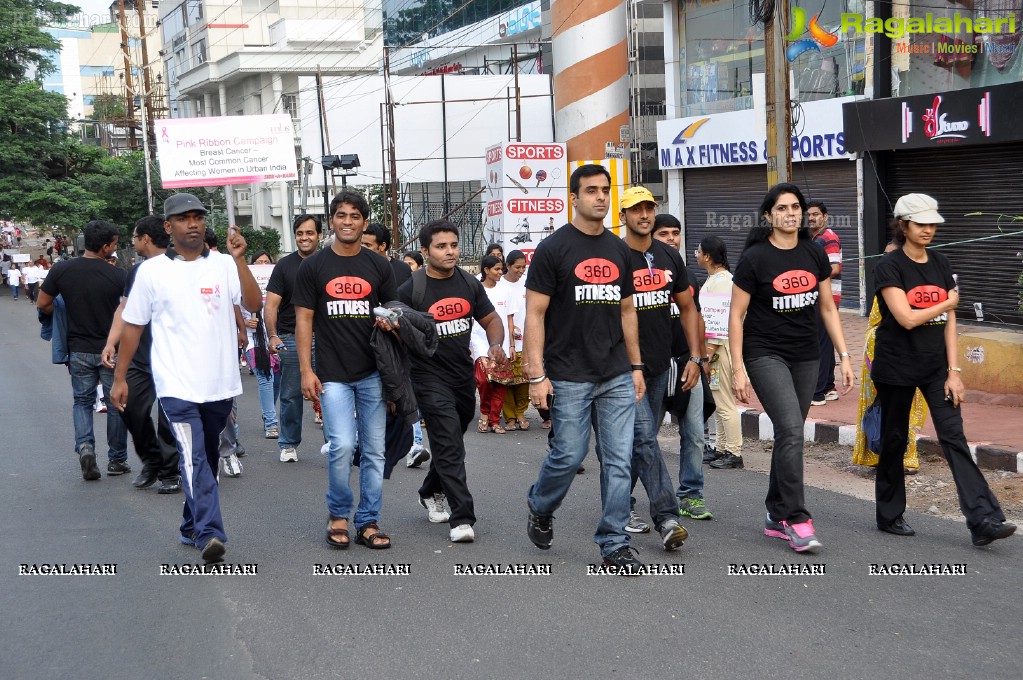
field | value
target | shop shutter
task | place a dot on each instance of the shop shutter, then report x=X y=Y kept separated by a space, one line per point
x=985 y=179
x=724 y=202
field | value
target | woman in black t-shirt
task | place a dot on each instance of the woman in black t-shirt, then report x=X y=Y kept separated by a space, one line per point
x=916 y=347
x=782 y=275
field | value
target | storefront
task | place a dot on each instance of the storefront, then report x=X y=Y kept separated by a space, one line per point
x=965 y=148
x=717 y=177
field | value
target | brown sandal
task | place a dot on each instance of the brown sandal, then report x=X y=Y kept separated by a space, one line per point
x=378 y=540
x=523 y=424
x=484 y=425
x=333 y=533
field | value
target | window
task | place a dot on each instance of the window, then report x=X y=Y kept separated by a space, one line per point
x=720 y=52
x=193 y=12
x=199 y=52
x=923 y=63
x=289 y=103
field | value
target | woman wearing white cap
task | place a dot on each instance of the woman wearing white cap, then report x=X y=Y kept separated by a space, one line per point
x=916 y=347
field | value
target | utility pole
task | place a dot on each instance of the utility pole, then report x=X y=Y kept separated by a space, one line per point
x=147 y=105
x=392 y=161
x=122 y=20
x=323 y=142
x=518 y=94
x=779 y=118
x=325 y=128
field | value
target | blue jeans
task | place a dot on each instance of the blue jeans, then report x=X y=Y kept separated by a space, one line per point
x=417 y=432
x=269 y=391
x=647 y=461
x=690 y=452
x=87 y=371
x=339 y=401
x=14 y=292
x=290 y=394
x=613 y=404
x=784 y=389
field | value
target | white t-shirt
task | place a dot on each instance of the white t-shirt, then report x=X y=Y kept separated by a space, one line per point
x=517 y=300
x=31 y=275
x=14 y=276
x=190 y=306
x=498 y=296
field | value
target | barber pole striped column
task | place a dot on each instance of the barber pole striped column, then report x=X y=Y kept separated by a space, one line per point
x=591 y=74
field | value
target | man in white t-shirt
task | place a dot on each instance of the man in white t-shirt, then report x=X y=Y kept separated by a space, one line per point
x=14 y=280
x=188 y=297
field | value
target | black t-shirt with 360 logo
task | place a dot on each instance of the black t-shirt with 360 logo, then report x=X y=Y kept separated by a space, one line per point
x=911 y=357
x=454 y=303
x=342 y=292
x=586 y=277
x=657 y=280
x=781 y=319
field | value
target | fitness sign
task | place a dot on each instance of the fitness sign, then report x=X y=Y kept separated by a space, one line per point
x=526 y=193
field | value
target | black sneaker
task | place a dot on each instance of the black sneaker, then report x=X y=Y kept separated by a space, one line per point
x=540 y=529
x=727 y=461
x=710 y=454
x=991 y=530
x=213 y=551
x=171 y=485
x=117 y=467
x=624 y=561
x=87 y=459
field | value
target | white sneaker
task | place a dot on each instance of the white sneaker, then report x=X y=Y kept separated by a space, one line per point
x=831 y=396
x=463 y=533
x=231 y=466
x=324 y=450
x=435 y=506
x=289 y=455
x=416 y=456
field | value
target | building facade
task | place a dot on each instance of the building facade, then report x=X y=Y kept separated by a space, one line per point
x=924 y=105
x=244 y=57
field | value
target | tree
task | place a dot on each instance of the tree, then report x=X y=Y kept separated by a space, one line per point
x=23 y=45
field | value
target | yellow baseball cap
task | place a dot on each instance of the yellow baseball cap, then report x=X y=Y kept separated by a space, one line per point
x=636 y=195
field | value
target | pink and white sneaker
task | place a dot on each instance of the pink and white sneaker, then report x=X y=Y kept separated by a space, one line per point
x=801 y=536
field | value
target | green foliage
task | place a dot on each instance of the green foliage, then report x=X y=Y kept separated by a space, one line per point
x=22 y=45
x=256 y=239
x=107 y=107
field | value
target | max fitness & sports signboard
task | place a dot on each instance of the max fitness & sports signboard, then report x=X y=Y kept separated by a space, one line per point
x=199 y=152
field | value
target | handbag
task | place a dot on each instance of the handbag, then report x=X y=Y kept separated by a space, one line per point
x=502 y=373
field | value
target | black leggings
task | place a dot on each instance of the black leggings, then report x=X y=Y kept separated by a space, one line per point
x=976 y=500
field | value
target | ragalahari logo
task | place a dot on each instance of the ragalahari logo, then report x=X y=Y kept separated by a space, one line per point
x=819 y=37
x=688 y=132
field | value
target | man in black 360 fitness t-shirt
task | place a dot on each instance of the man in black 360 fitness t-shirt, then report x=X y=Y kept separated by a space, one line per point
x=444 y=384
x=279 y=318
x=582 y=354
x=335 y=293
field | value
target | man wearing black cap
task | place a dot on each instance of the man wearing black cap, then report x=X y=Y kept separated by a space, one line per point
x=188 y=297
x=91 y=289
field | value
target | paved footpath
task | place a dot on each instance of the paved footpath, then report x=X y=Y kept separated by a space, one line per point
x=718 y=619
x=993 y=430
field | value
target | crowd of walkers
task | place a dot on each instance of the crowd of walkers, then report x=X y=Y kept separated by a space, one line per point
x=599 y=333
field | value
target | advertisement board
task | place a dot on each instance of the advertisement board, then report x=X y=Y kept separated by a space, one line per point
x=201 y=152
x=740 y=137
x=526 y=194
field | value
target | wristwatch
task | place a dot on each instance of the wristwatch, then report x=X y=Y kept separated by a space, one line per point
x=697 y=360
